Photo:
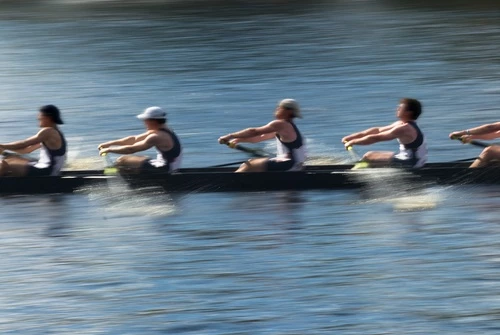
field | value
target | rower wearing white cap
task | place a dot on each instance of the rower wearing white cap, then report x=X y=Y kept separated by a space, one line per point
x=290 y=143
x=51 y=142
x=158 y=135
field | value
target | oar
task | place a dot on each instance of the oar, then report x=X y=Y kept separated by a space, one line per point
x=473 y=142
x=109 y=169
x=465 y=160
x=253 y=152
x=228 y=164
x=354 y=155
x=359 y=163
x=7 y=154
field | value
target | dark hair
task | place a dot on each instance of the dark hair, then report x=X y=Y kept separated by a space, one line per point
x=413 y=106
x=52 y=112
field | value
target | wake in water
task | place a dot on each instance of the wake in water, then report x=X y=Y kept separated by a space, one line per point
x=401 y=189
x=119 y=201
x=116 y=199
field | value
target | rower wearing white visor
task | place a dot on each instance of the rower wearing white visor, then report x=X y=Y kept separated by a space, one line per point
x=51 y=142
x=158 y=135
x=291 y=150
x=412 y=144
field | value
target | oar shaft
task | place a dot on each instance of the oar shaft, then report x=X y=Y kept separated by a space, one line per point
x=7 y=154
x=473 y=142
x=107 y=159
x=480 y=144
x=228 y=164
x=465 y=160
x=358 y=161
x=254 y=152
x=353 y=153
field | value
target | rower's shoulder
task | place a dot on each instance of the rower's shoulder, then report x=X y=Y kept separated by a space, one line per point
x=150 y=133
x=46 y=128
x=406 y=124
x=48 y=131
x=158 y=136
x=281 y=123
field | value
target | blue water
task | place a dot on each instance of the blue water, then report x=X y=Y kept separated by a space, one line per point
x=380 y=261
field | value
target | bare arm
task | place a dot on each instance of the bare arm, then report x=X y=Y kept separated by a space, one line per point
x=369 y=131
x=489 y=136
x=141 y=145
x=29 y=149
x=129 y=140
x=256 y=139
x=255 y=134
x=18 y=146
x=387 y=135
x=487 y=129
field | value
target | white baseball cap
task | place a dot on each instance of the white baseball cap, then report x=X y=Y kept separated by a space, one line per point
x=152 y=113
x=292 y=105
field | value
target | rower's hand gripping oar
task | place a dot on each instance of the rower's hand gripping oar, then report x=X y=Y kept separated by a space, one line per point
x=472 y=142
x=7 y=154
x=251 y=151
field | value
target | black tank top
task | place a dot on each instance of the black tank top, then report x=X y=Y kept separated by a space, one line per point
x=173 y=153
x=418 y=140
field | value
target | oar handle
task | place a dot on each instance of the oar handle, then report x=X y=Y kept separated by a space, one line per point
x=228 y=143
x=473 y=142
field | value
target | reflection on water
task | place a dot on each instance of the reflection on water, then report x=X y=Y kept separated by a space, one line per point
x=292 y=262
x=55 y=207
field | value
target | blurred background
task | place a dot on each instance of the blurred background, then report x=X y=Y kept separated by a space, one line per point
x=381 y=262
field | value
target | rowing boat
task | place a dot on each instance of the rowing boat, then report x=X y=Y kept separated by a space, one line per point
x=317 y=177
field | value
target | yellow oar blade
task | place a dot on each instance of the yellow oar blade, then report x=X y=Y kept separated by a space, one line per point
x=361 y=165
x=109 y=170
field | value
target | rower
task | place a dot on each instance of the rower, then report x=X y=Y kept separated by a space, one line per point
x=158 y=135
x=51 y=142
x=485 y=132
x=412 y=145
x=290 y=143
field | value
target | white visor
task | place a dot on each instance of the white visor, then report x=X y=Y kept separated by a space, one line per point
x=152 y=113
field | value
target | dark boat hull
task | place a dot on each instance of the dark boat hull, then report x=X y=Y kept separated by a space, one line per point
x=45 y=185
x=237 y=182
x=322 y=177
